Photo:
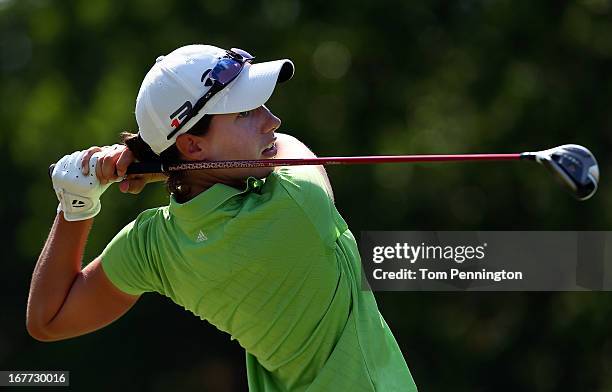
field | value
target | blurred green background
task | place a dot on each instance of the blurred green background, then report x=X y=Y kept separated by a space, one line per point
x=373 y=77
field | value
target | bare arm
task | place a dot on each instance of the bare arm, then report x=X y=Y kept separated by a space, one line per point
x=290 y=147
x=64 y=300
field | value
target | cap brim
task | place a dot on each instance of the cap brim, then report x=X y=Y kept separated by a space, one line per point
x=251 y=89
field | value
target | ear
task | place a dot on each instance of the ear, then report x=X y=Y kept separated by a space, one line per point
x=192 y=147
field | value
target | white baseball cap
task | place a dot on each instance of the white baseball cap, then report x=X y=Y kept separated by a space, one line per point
x=176 y=81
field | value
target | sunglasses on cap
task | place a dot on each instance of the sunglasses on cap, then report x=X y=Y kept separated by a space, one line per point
x=224 y=72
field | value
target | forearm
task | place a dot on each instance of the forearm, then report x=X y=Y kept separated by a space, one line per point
x=57 y=267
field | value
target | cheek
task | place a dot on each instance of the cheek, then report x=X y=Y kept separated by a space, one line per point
x=239 y=145
x=235 y=141
x=227 y=147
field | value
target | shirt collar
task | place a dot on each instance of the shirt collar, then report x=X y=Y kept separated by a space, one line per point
x=211 y=198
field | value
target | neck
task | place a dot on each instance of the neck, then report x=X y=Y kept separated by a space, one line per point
x=199 y=181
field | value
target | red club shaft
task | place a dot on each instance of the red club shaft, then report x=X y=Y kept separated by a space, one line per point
x=156 y=167
x=393 y=159
x=140 y=168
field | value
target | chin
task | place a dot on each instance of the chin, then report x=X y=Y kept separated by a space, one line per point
x=259 y=172
x=263 y=172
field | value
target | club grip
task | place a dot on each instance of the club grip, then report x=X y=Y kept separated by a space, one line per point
x=134 y=168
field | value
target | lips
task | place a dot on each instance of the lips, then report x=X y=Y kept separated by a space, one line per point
x=270 y=150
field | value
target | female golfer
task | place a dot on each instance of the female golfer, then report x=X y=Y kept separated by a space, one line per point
x=260 y=253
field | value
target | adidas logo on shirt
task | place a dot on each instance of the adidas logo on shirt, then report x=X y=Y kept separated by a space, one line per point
x=201 y=237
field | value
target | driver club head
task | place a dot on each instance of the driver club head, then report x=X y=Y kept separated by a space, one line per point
x=573 y=165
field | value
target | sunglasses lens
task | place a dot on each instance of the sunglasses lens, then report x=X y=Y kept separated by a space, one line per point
x=226 y=70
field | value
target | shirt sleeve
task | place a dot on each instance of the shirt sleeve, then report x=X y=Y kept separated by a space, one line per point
x=307 y=187
x=308 y=184
x=127 y=263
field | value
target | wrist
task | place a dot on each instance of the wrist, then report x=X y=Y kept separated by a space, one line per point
x=75 y=207
x=62 y=218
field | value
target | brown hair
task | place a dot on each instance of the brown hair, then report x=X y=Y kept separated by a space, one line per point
x=143 y=153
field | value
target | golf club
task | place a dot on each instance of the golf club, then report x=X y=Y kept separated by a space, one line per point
x=573 y=165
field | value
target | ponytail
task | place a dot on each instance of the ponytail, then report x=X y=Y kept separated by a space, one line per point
x=175 y=184
x=141 y=150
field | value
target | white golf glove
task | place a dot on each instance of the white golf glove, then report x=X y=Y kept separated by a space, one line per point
x=78 y=194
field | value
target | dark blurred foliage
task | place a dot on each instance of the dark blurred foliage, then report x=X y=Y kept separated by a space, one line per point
x=373 y=77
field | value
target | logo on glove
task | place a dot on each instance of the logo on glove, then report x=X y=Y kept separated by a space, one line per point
x=78 y=203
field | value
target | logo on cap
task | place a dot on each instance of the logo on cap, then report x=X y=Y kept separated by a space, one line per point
x=180 y=113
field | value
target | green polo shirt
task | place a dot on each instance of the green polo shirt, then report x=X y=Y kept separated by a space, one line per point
x=275 y=266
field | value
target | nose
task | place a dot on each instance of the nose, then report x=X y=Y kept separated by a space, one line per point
x=271 y=122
